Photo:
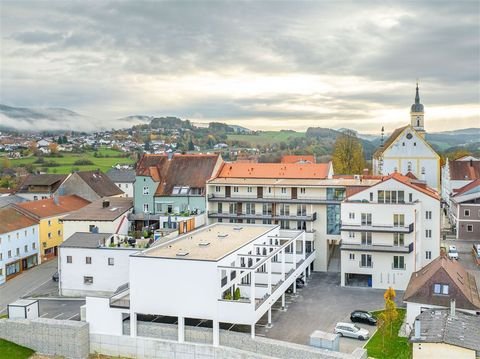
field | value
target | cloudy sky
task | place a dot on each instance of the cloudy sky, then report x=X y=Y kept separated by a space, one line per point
x=260 y=64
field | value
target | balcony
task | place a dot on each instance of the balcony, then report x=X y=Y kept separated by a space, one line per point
x=374 y=227
x=260 y=216
x=252 y=199
x=121 y=297
x=376 y=248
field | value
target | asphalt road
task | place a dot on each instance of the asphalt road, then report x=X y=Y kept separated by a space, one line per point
x=60 y=309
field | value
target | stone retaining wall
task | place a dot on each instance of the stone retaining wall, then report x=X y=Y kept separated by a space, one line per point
x=66 y=338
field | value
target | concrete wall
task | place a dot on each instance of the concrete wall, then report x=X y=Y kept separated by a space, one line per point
x=118 y=226
x=69 y=339
x=74 y=184
x=441 y=351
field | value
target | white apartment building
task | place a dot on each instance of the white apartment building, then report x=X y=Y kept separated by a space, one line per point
x=224 y=273
x=93 y=264
x=389 y=231
x=299 y=196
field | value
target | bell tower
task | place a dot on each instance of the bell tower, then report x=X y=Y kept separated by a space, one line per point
x=417 y=115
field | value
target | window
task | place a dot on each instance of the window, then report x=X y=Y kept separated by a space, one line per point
x=59 y=232
x=249 y=189
x=367 y=238
x=285 y=224
x=352 y=256
x=301 y=209
x=391 y=196
x=25 y=232
x=366 y=219
x=1 y=256
x=428 y=233
x=33 y=230
x=410 y=197
x=351 y=234
x=18 y=251
x=409 y=166
x=469 y=227
x=126 y=185
x=25 y=248
x=146 y=190
x=371 y=196
x=399 y=239
x=119 y=185
x=250 y=208
x=219 y=207
x=232 y=208
x=69 y=259
x=284 y=190
x=302 y=190
x=49 y=223
x=217 y=188
x=267 y=208
x=423 y=170
x=35 y=198
x=145 y=207
x=351 y=215
x=366 y=261
x=34 y=245
x=284 y=209
x=49 y=235
x=10 y=254
x=269 y=189
x=235 y=188
x=88 y=280
x=88 y=260
x=428 y=255
x=398 y=220
x=110 y=261
x=381 y=196
x=440 y=288
x=428 y=215
x=466 y=213
x=398 y=262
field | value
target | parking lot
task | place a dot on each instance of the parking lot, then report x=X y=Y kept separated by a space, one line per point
x=465 y=257
x=66 y=309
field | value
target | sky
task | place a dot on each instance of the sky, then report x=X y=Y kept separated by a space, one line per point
x=259 y=64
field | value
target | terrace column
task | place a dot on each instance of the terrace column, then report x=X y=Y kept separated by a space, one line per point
x=269 y=280
x=304 y=250
x=283 y=301
x=269 y=324
x=181 y=329
x=133 y=324
x=283 y=264
x=216 y=333
x=252 y=289
x=294 y=252
x=305 y=276
x=295 y=286
x=252 y=331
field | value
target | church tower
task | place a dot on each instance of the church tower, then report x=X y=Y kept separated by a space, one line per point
x=417 y=115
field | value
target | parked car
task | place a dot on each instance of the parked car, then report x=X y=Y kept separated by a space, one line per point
x=55 y=276
x=452 y=252
x=362 y=316
x=352 y=331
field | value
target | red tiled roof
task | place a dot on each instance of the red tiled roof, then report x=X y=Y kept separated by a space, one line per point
x=275 y=170
x=11 y=219
x=48 y=208
x=467 y=187
x=297 y=159
x=464 y=170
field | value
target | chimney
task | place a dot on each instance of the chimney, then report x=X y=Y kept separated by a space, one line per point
x=452 y=307
x=55 y=199
x=170 y=155
x=106 y=203
x=417 y=328
x=471 y=162
x=365 y=172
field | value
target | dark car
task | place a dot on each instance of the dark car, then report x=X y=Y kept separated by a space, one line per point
x=362 y=316
x=55 y=277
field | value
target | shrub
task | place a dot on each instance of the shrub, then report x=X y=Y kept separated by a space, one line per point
x=227 y=296
x=236 y=294
x=83 y=162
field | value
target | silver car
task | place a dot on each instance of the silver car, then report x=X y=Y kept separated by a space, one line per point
x=352 y=331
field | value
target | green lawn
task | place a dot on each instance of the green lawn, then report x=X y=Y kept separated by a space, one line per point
x=266 y=137
x=9 y=350
x=66 y=163
x=395 y=347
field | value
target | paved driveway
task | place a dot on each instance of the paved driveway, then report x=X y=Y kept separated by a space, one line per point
x=319 y=306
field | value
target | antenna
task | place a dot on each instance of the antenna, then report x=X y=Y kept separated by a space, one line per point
x=381 y=138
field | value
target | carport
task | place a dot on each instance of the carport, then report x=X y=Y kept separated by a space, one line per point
x=358 y=280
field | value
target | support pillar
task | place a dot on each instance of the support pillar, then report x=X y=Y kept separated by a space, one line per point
x=305 y=276
x=216 y=333
x=133 y=324
x=252 y=331
x=269 y=323
x=181 y=329
x=295 y=287
x=283 y=302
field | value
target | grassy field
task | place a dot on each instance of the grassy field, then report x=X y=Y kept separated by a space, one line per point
x=266 y=137
x=9 y=350
x=395 y=347
x=66 y=163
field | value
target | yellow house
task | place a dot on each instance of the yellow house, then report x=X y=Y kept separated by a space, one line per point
x=48 y=213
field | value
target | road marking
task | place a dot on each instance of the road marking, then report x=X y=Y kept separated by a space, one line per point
x=34 y=289
x=73 y=316
x=43 y=315
x=59 y=315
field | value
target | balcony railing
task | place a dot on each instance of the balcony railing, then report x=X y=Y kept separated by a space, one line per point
x=278 y=199
x=375 y=227
x=291 y=216
x=346 y=246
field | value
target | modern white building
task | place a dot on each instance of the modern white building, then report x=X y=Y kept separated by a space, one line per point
x=18 y=243
x=93 y=264
x=124 y=179
x=389 y=231
x=105 y=215
x=224 y=273
x=407 y=151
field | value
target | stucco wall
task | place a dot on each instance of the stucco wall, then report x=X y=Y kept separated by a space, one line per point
x=440 y=351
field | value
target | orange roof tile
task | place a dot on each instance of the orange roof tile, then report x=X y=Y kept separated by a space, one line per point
x=11 y=219
x=48 y=208
x=298 y=158
x=275 y=170
x=415 y=184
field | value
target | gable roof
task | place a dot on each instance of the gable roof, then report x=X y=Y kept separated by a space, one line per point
x=462 y=285
x=464 y=170
x=190 y=170
x=48 y=208
x=86 y=240
x=438 y=326
x=12 y=219
x=52 y=181
x=7 y=200
x=466 y=188
x=100 y=183
x=123 y=176
x=96 y=211
x=389 y=141
x=298 y=159
x=275 y=170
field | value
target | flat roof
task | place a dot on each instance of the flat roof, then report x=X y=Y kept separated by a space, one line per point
x=210 y=243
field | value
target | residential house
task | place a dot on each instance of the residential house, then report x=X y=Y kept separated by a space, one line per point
x=18 y=243
x=237 y=273
x=406 y=150
x=297 y=196
x=42 y=186
x=48 y=214
x=105 y=215
x=123 y=179
x=93 y=264
x=91 y=185
x=446 y=334
x=437 y=284
x=10 y=199
x=298 y=159
x=389 y=231
x=465 y=211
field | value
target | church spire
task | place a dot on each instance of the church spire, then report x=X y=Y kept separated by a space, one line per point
x=417 y=97
x=417 y=113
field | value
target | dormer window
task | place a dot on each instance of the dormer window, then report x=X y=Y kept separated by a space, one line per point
x=440 y=289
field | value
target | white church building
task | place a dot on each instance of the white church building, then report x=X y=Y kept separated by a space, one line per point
x=406 y=150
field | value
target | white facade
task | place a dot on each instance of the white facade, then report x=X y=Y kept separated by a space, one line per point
x=18 y=251
x=107 y=267
x=410 y=152
x=118 y=226
x=384 y=242
x=414 y=310
x=200 y=273
x=126 y=187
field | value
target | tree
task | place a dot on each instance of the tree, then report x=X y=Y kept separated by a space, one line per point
x=391 y=313
x=5 y=162
x=53 y=148
x=348 y=154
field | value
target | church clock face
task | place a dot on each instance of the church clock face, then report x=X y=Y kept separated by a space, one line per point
x=409 y=136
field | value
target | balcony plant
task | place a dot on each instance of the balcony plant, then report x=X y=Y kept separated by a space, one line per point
x=236 y=294
x=227 y=296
